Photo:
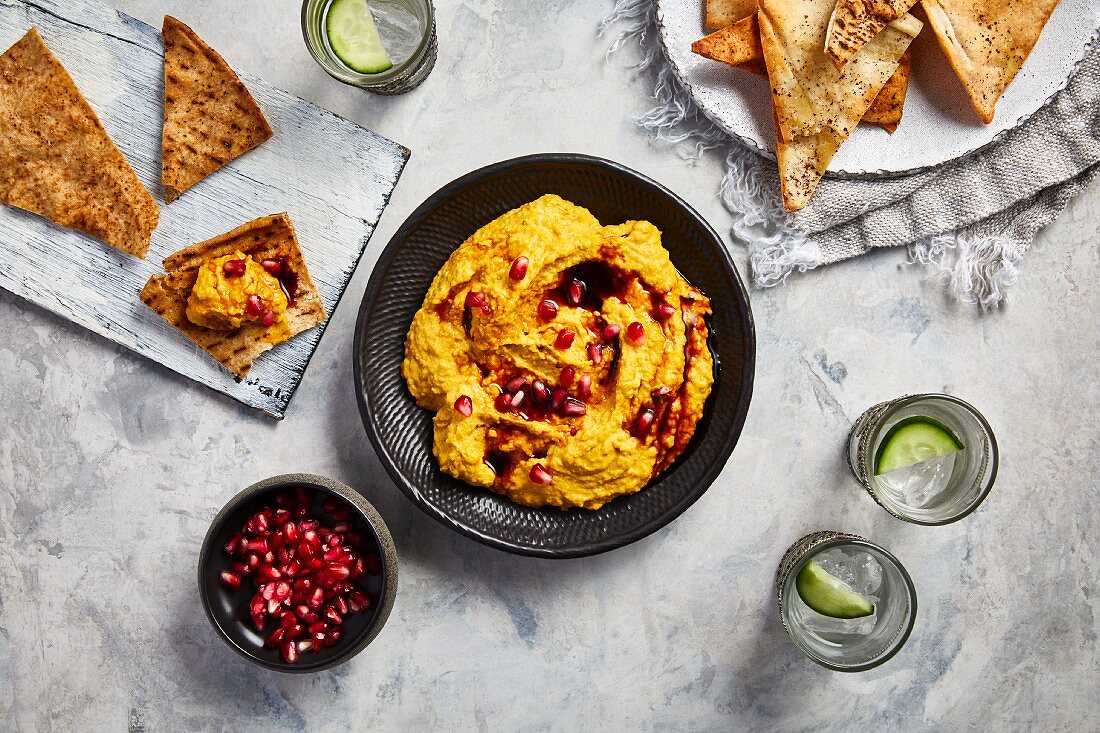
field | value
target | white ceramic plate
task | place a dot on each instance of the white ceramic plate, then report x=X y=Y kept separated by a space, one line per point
x=939 y=124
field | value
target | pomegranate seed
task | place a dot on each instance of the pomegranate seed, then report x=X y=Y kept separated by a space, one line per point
x=478 y=301
x=315 y=563
x=281 y=517
x=302 y=511
x=332 y=615
x=357 y=569
x=568 y=374
x=268 y=557
x=541 y=475
x=540 y=392
x=272 y=606
x=333 y=554
x=635 y=334
x=574 y=293
x=518 y=270
x=335 y=540
x=273 y=267
x=253 y=561
x=261 y=545
x=339 y=572
x=240 y=568
x=557 y=398
x=233 y=268
x=644 y=421
x=287 y=621
x=273 y=639
x=290 y=531
x=503 y=402
x=254 y=306
x=548 y=310
x=595 y=353
x=305 y=645
x=316 y=599
x=374 y=564
x=333 y=637
x=358 y=598
x=230 y=580
x=308 y=525
x=282 y=591
x=284 y=555
x=515 y=384
x=294 y=631
x=232 y=544
x=269 y=572
x=564 y=339
x=464 y=406
x=289 y=650
x=663 y=312
x=316 y=626
x=584 y=387
x=268 y=318
x=611 y=330
x=572 y=407
x=340 y=604
x=306 y=551
x=661 y=395
x=258 y=612
x=517 y=400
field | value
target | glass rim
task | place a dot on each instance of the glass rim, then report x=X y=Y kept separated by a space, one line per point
x=348 y=75
x=896 y=510
x=899 y=640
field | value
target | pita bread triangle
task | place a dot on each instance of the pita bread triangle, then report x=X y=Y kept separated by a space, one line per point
x=855 y=22
x=816 y=105
x=209 y=116
x=738 y=45
x=268 y=237
x=986 y=42
x=57 y=161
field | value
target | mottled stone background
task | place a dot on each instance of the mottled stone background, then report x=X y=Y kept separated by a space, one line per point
x=111 y=468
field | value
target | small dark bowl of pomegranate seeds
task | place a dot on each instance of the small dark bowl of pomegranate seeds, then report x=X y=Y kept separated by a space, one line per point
x=298 y=573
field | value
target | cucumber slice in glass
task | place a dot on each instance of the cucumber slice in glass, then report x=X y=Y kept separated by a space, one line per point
x=354 y=37
x=914 y=440
x=828 y=595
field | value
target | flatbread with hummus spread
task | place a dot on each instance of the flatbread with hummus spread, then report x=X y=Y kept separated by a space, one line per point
x=266 y=237
x=817 y=105
x=57 y=161
x=739 y=45
x=209 y=116
x=987 y=41
x=855 y=22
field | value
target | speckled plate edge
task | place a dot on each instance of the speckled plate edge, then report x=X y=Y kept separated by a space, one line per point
x=760 y=146
x=737 y=424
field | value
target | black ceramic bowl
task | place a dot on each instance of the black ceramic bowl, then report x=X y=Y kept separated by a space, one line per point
x=228 y=609
x=402 y=433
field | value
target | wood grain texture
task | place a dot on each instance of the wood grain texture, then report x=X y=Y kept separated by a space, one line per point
x=333 y=177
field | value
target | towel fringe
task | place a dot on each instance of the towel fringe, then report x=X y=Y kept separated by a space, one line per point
x=977 y=268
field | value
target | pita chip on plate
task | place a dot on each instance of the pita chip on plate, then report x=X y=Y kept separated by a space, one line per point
x=817 y=105
x=269 y=237
x=986 y=42
x=855 y=22
x=57 y=161
x=739 y=45
x=210 y=118
x=721 y=13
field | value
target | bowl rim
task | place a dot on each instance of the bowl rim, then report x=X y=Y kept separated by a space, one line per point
x=740 y=298
x=374 y=522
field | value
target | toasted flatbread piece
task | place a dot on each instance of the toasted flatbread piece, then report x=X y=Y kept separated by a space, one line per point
x=855 y=22
x=736 y=44
x=209 y=116
x=721 y=13
x=889 y=105
x=817 y=105
x=264 y=238
x=739 y=45
x=986 y=42
x=57 y=161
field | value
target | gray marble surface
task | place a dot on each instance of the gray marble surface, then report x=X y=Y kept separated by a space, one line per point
x=111 y=469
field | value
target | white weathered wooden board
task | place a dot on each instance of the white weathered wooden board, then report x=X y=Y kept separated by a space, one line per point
x=332 y=176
